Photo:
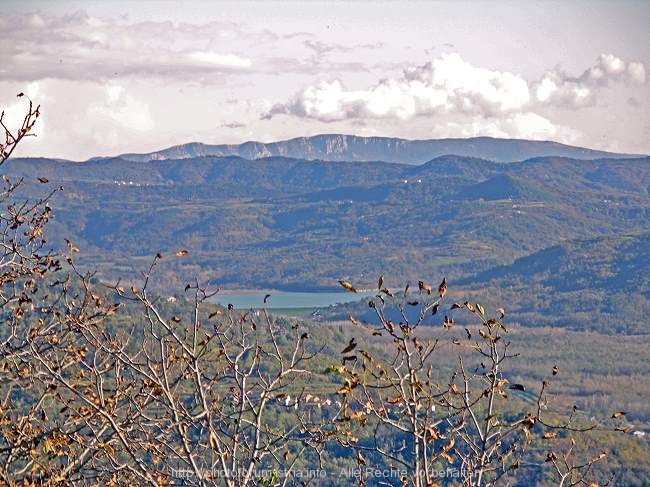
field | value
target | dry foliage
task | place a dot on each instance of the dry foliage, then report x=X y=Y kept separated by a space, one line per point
x=463 y=422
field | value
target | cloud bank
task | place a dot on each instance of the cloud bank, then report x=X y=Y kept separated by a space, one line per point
x=449 y=84
x=81 y=47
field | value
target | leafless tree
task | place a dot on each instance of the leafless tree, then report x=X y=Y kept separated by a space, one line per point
x=194 y=396
x=91 y=394
x=12 y=136
x=464 y=424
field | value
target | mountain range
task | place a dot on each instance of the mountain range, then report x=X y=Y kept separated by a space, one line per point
x=337 y=147
x=559 y=239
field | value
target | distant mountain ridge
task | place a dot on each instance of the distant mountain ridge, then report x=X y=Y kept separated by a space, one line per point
x=338 y=147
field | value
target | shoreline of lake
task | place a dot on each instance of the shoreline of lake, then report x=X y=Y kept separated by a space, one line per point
x=287 y=299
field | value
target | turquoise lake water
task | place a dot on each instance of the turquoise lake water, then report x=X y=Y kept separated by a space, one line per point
x=284 y=300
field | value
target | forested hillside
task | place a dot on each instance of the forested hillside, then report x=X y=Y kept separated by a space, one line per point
x=560 y=231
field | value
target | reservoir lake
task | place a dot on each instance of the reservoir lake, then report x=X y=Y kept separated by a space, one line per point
x=288 y=300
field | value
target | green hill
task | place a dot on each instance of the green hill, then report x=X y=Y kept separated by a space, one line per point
x=292 y=224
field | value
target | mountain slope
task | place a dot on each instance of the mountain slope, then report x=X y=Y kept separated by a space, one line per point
x=292 y=224
x=600 y=284
x=336 y=147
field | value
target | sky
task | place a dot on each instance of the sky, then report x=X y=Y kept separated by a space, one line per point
x=136 y=76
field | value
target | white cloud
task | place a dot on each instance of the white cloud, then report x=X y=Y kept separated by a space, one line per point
x=446 y=84
x=636 y=72
x=557 y=88
x=15 y=110
x=527 y=125
x=215 y=58
x=122 y=109
x=81 y=47
x=114 y=93
x=475 y=100
x=468 y=86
